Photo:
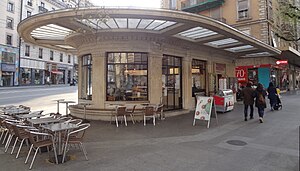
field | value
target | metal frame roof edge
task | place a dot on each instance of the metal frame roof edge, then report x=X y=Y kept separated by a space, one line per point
x=155 y=12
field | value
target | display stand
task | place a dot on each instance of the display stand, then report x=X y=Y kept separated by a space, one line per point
x=204 y=109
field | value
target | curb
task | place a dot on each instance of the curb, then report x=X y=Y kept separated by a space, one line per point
x=33 y=86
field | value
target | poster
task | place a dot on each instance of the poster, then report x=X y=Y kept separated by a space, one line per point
x=203 y=108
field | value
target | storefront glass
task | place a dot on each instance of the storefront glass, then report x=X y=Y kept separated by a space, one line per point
x=171 y=82
x=7 y=79
x=61 y=77
x=38 y=76
x=25 y=76
x=127 y=77
x=198 y=77
x=87 y=76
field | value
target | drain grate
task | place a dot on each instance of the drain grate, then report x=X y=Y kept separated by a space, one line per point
x=236 y=142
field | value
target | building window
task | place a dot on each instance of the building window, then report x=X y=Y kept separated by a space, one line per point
x=172 y=4
x=41 y=53
x=10 y=7
x=29 y=13
x=69 y=58
x=27 y=50
x=127 y=77
x=9 y=23
x=243 y=9
x=87 y=76
x=9 y=39
x=8 y=57
x=43 y=4
x=25 y=76
x=61 y=56
x=270 y=11
x=198 y=77
x=29 y=2
x=51 y=55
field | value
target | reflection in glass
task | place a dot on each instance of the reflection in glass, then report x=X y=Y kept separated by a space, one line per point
x=127 y=77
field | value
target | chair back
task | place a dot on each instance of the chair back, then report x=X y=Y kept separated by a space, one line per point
x=121 y=110
x=80 y=131
x=65 y=119
x=75 y=121
x=149 y=110
x=159 y=108
x=34 y=136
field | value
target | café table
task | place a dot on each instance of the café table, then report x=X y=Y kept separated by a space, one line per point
x=15 y=111
x=67 y=105
x=30 y=115
x=58 y=128
x=58 y=101
x=39 y=121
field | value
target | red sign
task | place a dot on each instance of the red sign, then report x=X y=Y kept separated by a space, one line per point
x=241 y=74
x=282 y=62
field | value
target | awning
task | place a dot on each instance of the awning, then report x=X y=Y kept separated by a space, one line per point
x=57 y=72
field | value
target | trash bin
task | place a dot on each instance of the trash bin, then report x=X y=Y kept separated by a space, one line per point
x=224 y=100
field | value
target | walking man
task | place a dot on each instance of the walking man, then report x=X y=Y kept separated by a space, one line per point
x=248 y=93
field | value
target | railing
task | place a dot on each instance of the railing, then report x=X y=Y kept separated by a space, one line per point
x=200 y=5
x=42 y=9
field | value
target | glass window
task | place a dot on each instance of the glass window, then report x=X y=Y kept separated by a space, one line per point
x=25 y=76
x=42 y=4
x=29 y=2
x=9 y=23
x=51 y=55
x=29 y=13
x=9 y=39
x=38 y=76
x=8 y=58
x=69 y=58
x=198 y=77
x=127 y=77
x=61 y=56
x=41 y=53
x=10 y=7
x=243 y=9
x=87 y=76
x=27 y=50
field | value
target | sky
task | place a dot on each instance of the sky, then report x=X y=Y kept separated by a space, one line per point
x=128 y=3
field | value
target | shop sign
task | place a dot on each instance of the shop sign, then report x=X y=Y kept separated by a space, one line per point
x=241 y=74
x=8 y=67
x=203 y=109
x=282 y=62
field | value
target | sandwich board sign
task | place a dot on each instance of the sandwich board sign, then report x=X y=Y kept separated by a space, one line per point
x=203 y=109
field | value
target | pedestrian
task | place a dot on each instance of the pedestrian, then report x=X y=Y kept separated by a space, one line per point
x=48 y=80
x=260 y=101
x=272 y=95
x=247 y=94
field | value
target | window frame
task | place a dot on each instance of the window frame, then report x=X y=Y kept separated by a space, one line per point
x=27 y=50
x=69 y=58
x=61 y=57
x=11 y=39
x=41 y=53
x=10 y=7
x=243 y=10
x=10 y=23
x=51 y=55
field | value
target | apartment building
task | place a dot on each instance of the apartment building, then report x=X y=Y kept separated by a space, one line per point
x=25 y=64
x=9 y=42
x=262 y=20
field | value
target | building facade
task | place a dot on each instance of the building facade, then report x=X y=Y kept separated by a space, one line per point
x=23 y=63
x=261 y=19
x=144 y=56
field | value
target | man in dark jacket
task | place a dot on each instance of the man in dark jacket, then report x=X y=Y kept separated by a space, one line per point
x=248 y=93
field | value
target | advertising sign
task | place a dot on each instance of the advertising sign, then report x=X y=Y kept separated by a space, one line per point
x=241 y=74
x=203 y=109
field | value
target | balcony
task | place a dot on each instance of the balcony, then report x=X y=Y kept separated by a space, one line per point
x=201 y=5
x=42 y=9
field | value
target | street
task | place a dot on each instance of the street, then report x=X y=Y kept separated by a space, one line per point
x=38 y=98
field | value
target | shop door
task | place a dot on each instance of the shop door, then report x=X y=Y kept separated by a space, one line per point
x=172 y=83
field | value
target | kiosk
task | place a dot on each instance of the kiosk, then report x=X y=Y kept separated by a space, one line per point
x=224 y=100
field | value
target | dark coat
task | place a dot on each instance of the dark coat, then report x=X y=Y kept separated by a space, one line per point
x=256 y=95
x=248 y=93
x=272 y=94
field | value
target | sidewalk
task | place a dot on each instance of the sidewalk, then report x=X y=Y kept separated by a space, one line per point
x=175 y=145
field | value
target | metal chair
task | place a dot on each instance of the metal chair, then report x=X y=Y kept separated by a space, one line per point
x=36 y=144
x=75 y=121
x=149 y=113
x=76 y=137
x=131 y=113
x=120 y=111
x=159 y=111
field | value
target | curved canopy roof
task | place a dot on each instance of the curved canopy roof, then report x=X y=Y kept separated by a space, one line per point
x=51 y=29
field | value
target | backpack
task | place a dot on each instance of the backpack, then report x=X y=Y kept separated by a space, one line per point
x=261 y=99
